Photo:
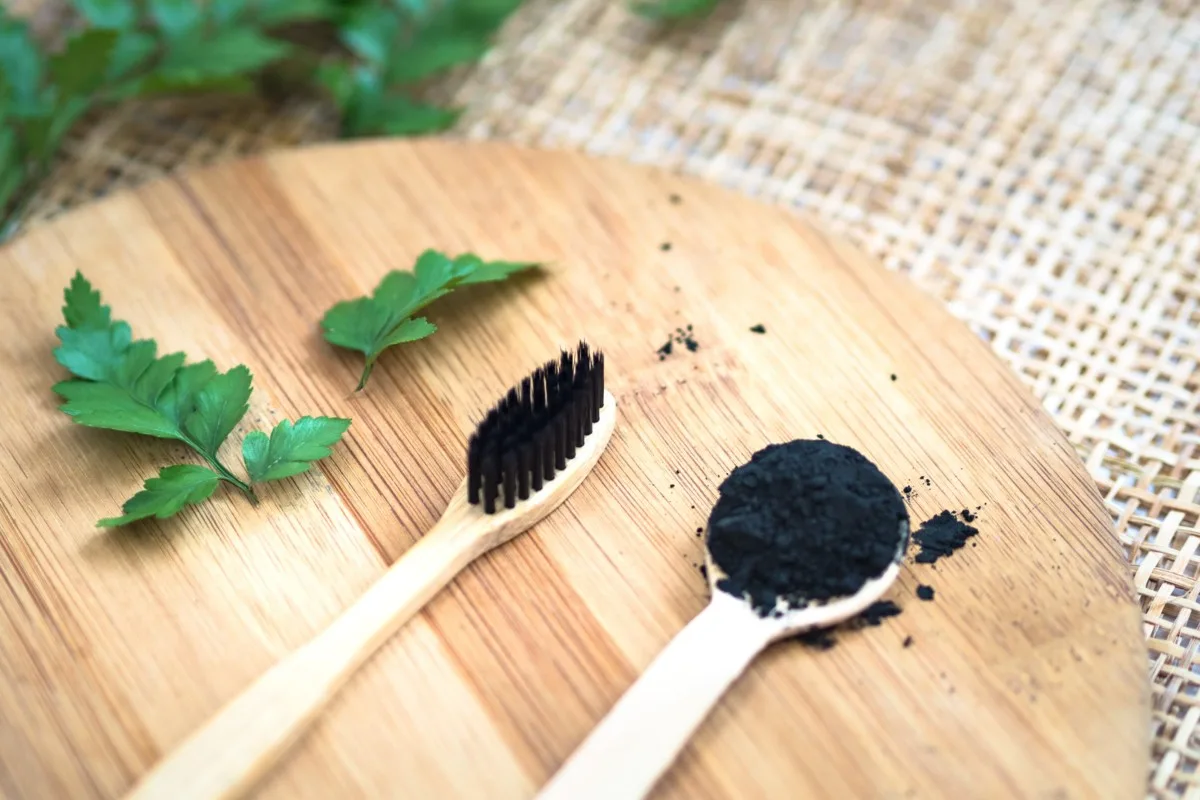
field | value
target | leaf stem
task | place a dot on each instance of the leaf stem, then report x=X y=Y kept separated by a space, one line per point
x=223 y=471
x=366 y=373
x=229 y=477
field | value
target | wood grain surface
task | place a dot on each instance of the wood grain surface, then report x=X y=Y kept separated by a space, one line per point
x=1025 y=676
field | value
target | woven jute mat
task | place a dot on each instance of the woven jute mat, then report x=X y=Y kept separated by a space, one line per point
x=1036 y=165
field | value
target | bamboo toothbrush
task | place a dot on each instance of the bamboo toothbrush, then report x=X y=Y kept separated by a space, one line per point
x=528 y=454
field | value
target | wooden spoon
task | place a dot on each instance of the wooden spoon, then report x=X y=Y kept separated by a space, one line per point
x=631 y=748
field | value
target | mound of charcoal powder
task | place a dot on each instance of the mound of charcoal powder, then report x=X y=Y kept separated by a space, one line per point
x=808 y=520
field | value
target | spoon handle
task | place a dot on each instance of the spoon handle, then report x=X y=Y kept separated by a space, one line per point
x=637 y=741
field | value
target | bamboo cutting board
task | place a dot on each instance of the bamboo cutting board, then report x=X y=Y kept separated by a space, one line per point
x=1025 y=675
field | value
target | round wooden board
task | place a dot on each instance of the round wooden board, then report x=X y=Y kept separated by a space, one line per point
x=1024 y=677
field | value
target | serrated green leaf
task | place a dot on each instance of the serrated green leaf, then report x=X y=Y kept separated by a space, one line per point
x=82 y=307
x=481 y=16
x=132 y=50
x=417 y=9
x=291 y=448
x=111 y=407
x=107 y=13
x=280 y=12
x=12 y=176
x=337 y=79
x=493 y=271
x=44 y=134
x=410 y=331
x=399 y=116
x=164 y=496
x=436 y=275
x=372 y=324
x=155 y=378
x=230 y=52
x=22 y=65
x=93 y=353
x=126 y=386
x=176 y=17
x=190 y=83
x=220 y=406
x=371 y=32
x=673 y=9
x=435 y=52
x=178 y=399
x=223 y=12
x=81 y=67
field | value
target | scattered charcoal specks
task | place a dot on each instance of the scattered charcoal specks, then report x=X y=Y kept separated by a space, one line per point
x=681 y=336
x=925 y=592
x=665 y=247
x=893 y=376
x=759 y=328
x=675 y=199
x=908 y=640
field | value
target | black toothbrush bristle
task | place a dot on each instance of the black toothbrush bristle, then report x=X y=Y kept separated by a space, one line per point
x=535 y=429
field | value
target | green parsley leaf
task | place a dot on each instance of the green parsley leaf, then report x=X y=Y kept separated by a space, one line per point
x=281 y=12
x=81 y=66
x=673 y=9
x=131 y=51
x=291 y=448
x=400 y=116
x=370 y=33
x=178 y=400
x=22 y=67
x=82 y=307
x=108 y=13
x=122 y=384
x=372 y=324
x=437 y=51
x=163 y=496
x=176 y=17
x=195 y=57
x=220 y=406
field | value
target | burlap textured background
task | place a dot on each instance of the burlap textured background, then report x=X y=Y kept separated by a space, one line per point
x=1034 y=164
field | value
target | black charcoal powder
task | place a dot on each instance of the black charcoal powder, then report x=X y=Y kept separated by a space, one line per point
x=808 y=520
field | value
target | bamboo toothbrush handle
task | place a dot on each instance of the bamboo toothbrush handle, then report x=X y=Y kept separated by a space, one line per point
x=632 y=747
x=225 y=757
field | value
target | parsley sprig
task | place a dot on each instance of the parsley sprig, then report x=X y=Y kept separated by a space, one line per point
x=385 y=318
x=369 y=57
x=122 y=384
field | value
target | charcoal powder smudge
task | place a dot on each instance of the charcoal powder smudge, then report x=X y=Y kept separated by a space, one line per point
x=925 y=592
x=675 y=199
x=940 y=536
x=665 y=247
x=876 y=613
x=817 y=639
